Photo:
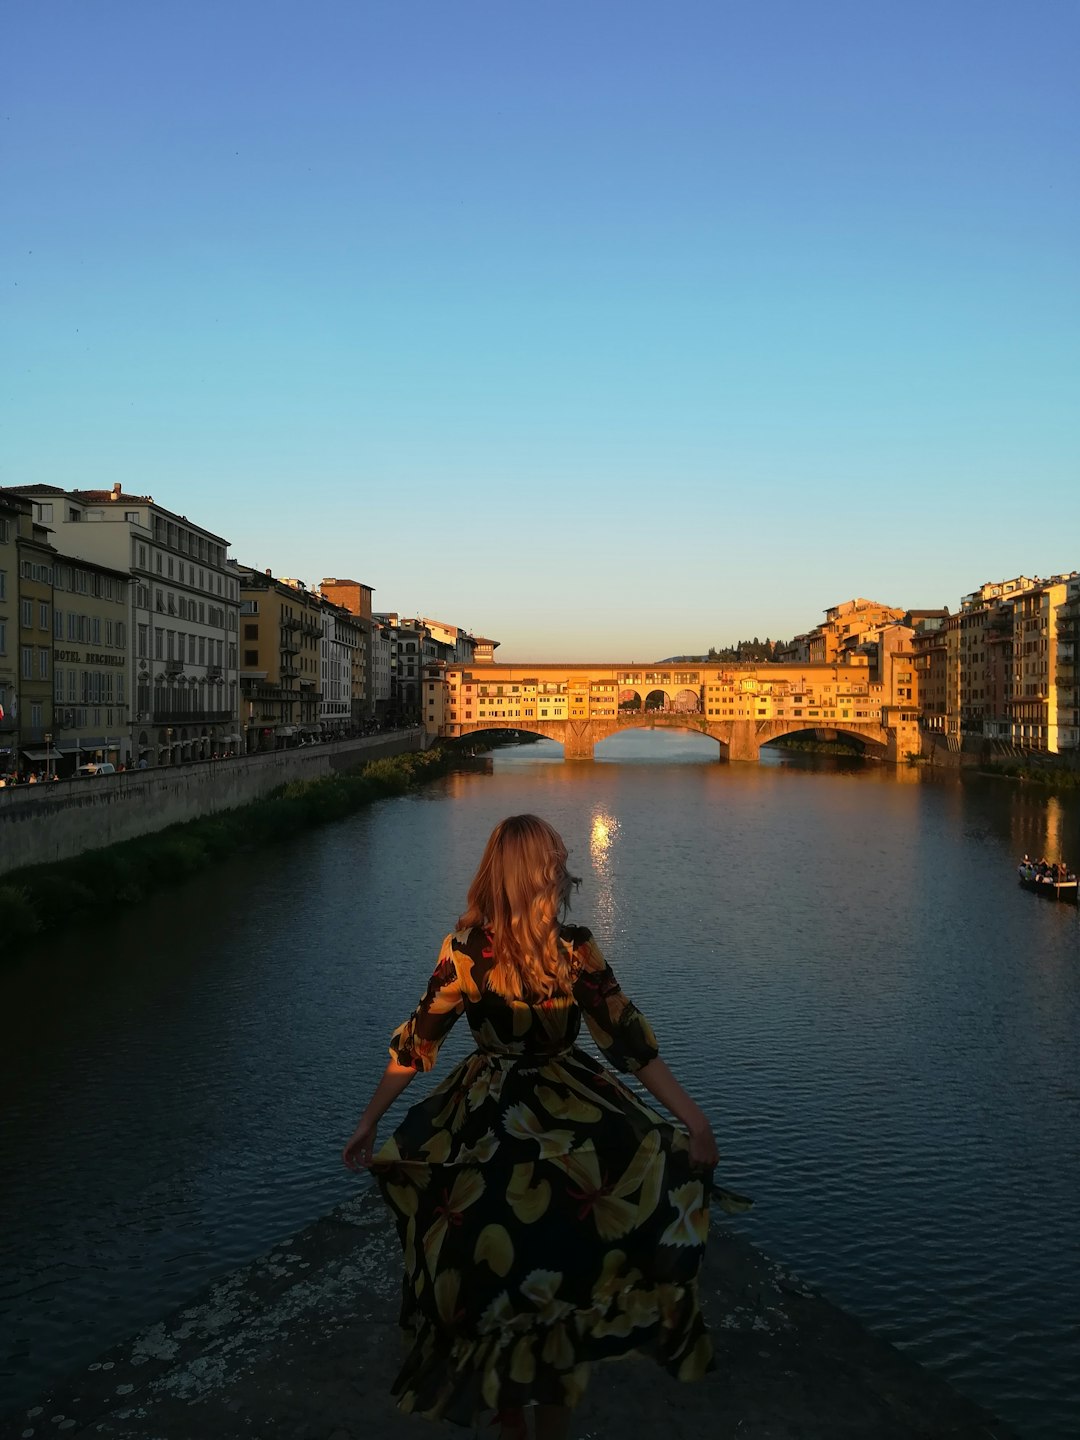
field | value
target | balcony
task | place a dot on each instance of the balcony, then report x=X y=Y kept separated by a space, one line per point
x=289 y=624
x=174 y=666
x=289 y=645
x=215 y=672
x=289 y=672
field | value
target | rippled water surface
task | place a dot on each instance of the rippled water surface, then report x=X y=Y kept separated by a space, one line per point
x=884 y=1027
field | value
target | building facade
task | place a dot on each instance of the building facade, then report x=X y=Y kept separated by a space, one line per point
x=355 y=597
x=281 y=628
x=183 y=616
x=91 y=674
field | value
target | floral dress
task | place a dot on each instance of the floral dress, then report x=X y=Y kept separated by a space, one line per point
x=548 y=1217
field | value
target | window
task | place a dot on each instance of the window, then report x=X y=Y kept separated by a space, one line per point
x=43 y=664
x=3 y=637
x=26 y=614
x=27 y=662
x=132 y=517
x=43 y=513
x=3 y=573
x=58 y=625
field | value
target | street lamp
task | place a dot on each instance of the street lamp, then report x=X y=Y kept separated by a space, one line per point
x=48 y=754
x=168 y=737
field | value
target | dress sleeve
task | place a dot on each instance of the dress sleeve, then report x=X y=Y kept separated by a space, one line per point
x=417 y=1041
x=615 y=1023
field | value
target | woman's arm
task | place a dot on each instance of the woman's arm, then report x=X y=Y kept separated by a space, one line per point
x=361 y=1146
x=662 y=1085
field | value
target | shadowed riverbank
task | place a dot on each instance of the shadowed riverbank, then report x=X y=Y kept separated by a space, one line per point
x=302 y=1344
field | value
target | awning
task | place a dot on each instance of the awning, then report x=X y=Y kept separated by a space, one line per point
x=52 y=754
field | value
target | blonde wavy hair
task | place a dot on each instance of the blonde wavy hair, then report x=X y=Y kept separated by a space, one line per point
x=520 y=892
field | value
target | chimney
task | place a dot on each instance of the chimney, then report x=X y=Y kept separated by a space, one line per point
x=269 y=571
x=116 y=490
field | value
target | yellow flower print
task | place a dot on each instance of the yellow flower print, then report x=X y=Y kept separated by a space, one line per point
x=522 y=1363
x=494 y=1245
x=558 y=1348
x=467 y=1188
x=522 y=1018
x=447 y=1288
x=691 y=1223
x=452 y=1114
x=481 y=1152
x=573 y=1385
x=437 y=1148
x=528 y=1204
x=520 y=1122
x=540 y=1287
x=696 y=1364
x=567 y=1107
x=603 y=1196
x=484 y=1080
x=500 y=1319
x=640 y=1307
x=612 y=1279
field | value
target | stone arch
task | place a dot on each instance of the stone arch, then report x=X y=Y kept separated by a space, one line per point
x=687 y=702
x=629 y=700
x=656 y=700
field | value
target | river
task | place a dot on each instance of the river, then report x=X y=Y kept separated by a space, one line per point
x=836 y=957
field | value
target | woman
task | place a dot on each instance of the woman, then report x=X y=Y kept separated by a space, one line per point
x=548 y=1217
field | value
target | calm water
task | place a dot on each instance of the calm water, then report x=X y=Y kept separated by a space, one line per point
x=884 y=1027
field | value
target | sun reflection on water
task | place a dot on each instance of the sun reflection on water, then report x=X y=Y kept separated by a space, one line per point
x=602 y=837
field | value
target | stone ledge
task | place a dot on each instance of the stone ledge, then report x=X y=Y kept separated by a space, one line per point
x=302 y=1344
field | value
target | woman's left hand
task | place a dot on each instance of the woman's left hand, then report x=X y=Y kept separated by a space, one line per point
x=361 y=1147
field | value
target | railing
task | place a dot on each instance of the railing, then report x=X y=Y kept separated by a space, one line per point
x=174 y=666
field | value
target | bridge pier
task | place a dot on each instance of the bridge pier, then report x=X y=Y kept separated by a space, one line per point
x=578 y=740
x=744 y=743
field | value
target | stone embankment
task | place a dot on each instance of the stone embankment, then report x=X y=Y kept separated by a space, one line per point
x=41 y=824
x=302 y=1345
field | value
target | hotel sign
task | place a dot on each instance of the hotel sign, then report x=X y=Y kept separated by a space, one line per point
x=72 y=657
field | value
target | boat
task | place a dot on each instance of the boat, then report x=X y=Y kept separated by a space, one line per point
x=1041 y=881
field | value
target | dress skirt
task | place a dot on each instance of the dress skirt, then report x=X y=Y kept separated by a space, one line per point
x=548 y=1218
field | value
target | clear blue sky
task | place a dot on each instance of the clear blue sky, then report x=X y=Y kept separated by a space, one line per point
x=610 y=329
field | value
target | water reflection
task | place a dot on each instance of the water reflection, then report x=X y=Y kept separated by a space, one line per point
x=602 y=837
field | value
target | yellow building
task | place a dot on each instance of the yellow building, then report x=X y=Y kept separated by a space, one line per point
x=1040 y=706
x=91 y=680
x=280 y=630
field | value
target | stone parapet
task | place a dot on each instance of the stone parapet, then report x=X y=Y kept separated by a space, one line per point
x=56 y=820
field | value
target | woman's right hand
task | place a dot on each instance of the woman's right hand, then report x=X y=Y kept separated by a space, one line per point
x=361 y=1146
x=703 y=1151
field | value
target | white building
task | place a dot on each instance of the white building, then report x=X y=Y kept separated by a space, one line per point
x=337 y=667
x=184 y=616
x=381 y=670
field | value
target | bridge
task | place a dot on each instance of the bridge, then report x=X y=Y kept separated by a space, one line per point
x=740 y=707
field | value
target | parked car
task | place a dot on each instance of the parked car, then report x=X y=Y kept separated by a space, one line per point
x=96 y=769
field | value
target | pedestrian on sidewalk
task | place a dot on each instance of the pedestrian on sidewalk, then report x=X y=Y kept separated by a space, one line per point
x=548 y=1217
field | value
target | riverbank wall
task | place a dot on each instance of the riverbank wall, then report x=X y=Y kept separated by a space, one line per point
x=974 y=752
x=58 y=820
x=302 y=1344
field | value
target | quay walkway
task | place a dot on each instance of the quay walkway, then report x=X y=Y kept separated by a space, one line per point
x=302 y=1344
